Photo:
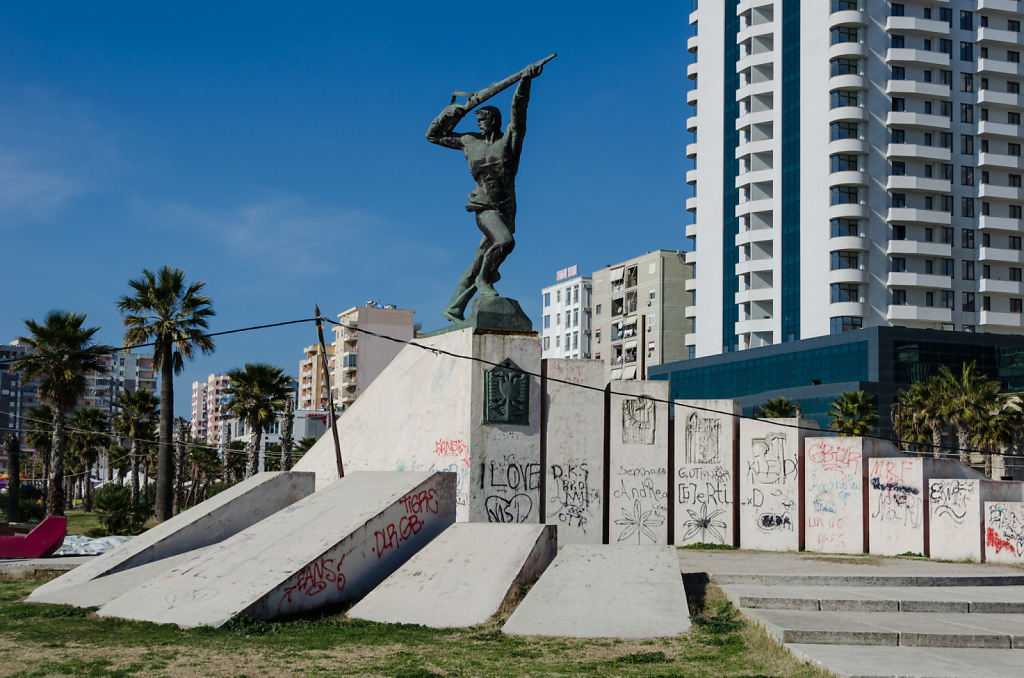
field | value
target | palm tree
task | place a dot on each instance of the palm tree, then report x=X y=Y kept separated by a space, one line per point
x=971 y=397
x=924 y=405
x=258 y=393
x=777 y=408
x=172 y=315
x=287 y=424
x=136 y=416
x=63 y=354
x=87 y=437
x=302 y=447
x=853 y=414
x=39 y=436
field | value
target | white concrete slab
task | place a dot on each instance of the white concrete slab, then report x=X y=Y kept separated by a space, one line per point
x=605 y=592
x=1004 y=532
x=462 y=577
x=209 y=522
x=575 y=451
x=638 y=463
x=955 y=507
x=331 y=547
x=706 y=447
x=873 y=661
x=835 y=474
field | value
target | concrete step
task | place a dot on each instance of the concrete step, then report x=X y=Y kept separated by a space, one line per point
x=209 y=522
x=857 y=661
x=948 y=599
x=333 y=546
x=592 y=591
x=462 y=577
x=724 y=579
x=922 y=629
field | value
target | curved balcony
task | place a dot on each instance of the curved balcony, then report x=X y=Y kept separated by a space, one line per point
x=691 y=177
x=848 y=275
x=919 y=248
x=925 y=314
x=918 y=151
x=758 y=294
x=841 y=308
x=757 y=59
x=908 y=55
x=691 y=257
x=913 y=215
x=999 y=67
x=754 y=89
x=1001 y=161
x=691 y=71
x=758 y=177
x=758 y=325
x=1001 y=255
x=853 y=50
x=754 y=30
x=848 y=242
x=990 y=97
x=753 y=147
x=755 y=266
x=756 y=118
x=691 y=96
x=916 y=26
x=691 y=284
x=1001 y=320
x=691 y=150
x=992 y=191
x=690 y=339
x=691 y=44
x=755 y=235
x=751 y=206
x=848 y=211
x=691 y=230
x=998 y=129
x=690 y=312
x=1011 y=287
x=921 y=184
x=907 y=279
x=691 y=123
x=849 y=178
x=847 y=113
x=997 y=36
x=691 y=204
x=848 y=17
x=848 y=146
x=744 y=6
x=998 y=6
x=916 y=88
x=847 y=82
x=908 y=119
x=987 y=223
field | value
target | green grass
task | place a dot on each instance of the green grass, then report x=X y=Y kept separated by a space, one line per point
x=707 y=546
x=80 y=522
x=43 y=640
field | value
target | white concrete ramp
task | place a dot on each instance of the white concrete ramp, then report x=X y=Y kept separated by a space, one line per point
x=606 y=592
x=333 y=546
x=209 y=522
x=462 y=577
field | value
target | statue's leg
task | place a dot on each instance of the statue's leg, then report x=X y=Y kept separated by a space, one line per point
x=501 y=242
x=466 y=287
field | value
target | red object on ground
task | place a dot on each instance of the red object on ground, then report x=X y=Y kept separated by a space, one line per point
x=42 y=541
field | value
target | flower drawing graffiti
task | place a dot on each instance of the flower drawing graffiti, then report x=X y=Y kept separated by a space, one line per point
x=705 y=525
x=638 y=523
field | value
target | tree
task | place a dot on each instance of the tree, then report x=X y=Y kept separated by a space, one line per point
x=257 y=394
x=971 y=397
x=137 y=415
x=853 y=414
x=87 y=437
x=286 y=434
x=180 y=459
x=63 y=353
x=39 y=436
x=172 y=315
x=13 y=446
x=777 y=408
x=923 y=408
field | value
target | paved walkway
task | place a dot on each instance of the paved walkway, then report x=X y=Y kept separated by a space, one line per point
x=868 y=616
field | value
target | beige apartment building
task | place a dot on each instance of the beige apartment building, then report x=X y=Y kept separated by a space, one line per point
x=312 y=387
x=208 y=409
x=640 y=313
x=358 y=356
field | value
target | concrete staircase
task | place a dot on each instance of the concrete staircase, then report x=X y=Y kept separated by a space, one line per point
x=891 y=625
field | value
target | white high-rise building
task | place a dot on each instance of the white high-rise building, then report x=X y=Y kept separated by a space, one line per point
x=566 y=316
x=858 y=163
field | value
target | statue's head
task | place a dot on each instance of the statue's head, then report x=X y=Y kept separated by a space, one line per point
x=489 y=119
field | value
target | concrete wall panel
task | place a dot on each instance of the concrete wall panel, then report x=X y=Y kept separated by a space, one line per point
x=1004 y=532
x=956 y=509
x=705 y=470
x=575 y=450
x=638 y=463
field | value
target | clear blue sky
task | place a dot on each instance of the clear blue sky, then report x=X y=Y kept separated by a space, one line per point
x=277 y=152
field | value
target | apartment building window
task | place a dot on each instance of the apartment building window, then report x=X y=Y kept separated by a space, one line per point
x=899 y=297
x=947 y=299
x=843 y=162
x=841 y=34
x=1013 y=87
x=966 y=176
x=898 y=73
x=966 y=51
x=967 y=238
x=966 y=144
x=558 y=340
x=844 y=259
x=897 y=136
x=843 y=292
x=597 y=309
x=947 y=267
x=845 y=130
x=547 y=299
x=547 y=321
x=929 y=299
x=947 y=109
x=1013 y=149
x=845 y=195
x=966 y=82
x=946 y=139
x=986 y=303
x=899 y=264
x=1014 y=181
x=986 y=240
x=967 y=207
x=967 y=303
x=844 y=227
x=927 y=171
x=1013 y=57
x=968 y=270
x=984 y=55
x=899 y=200
x=899 y=104
x=843 y=66
x=1015 y=211
x=1013 y=26
x=547 y=343
x=1015 y=305
x=929 y=234
x=984 y=118
x=986 y=207
x=927 y=45
x=845 y=323
x=947 y=172
x=597 y=336
x=558 y=319
x=927 y=76
x=899 y=232
x=897 y=41
x=946 y=77
x=946 y=14
x=843 y=5
x=1013 y=118
x=576 y=294
x=898 y=169
x=1014 y=242
x=844 y=97
x=967 y=114
x=575 y=339
x=947 y=206
x=896 y=9
x=966 y=20
x=558 y=296
x=575 y=317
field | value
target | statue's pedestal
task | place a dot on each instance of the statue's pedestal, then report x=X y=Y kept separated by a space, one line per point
x=434 y=412
x=492 y=314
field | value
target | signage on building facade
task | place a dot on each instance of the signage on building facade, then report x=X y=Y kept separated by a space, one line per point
x=566 y=273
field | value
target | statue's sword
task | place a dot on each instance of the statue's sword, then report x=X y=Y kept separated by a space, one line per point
x=476 y=98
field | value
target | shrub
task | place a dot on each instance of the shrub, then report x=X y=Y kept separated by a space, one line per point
x=117 y=515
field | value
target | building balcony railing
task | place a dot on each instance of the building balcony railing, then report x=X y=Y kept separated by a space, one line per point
x=927 y=314
x=907 y=55
x=917 y=216
x=916 y=25
x=991 y=286
x=989 y=223
x=922 y=120
x=920 y=248
x=907 y=279
x=1001 y=255
x=1000 y=319
x=917 y=88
